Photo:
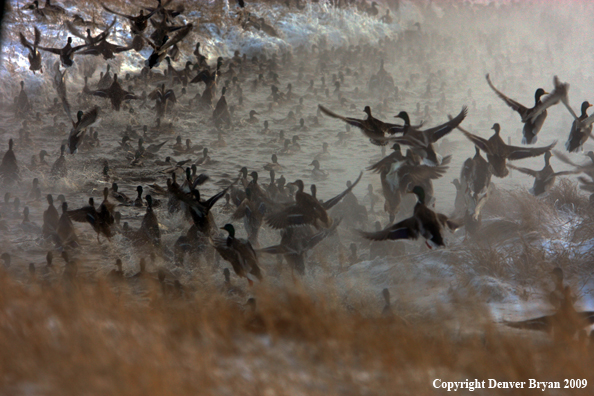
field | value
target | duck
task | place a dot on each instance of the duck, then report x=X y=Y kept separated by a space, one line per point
x=115 y=94
x=240 y=254
x=221 y=115
x=9 y=167
x=138 y=202
x=137 y=23
x=306 y=210
x=371 y=127
x=65 y=234
x=117 y=272
x=22 y=105
x=27 y=225
x=424 y=222
x=580 y=129
x=205 y=160
x=149 y=232
x=422 y=141
x=101 y=220
x=66 y=53
x=531 y=126
x=119 y=196
x=83 y=121
x=296 y=242
x=164 y=99
x=324 y=155
x=252 y=211
x=544 y=179
x=34 y=55
x=317 y=173
x=50 y=218
x=498 y=152
x=478 y=174
x=274 y=165
x=220 y=142
x=160 y=49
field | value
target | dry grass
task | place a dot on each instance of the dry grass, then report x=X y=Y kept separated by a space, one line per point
x=94 y=339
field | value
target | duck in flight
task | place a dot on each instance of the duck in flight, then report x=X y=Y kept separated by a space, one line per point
x=531 y=125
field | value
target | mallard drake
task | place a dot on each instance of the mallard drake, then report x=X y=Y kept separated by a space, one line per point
x=34 y=55
x=50 y=218
x=544 y=179
x=424 y=222
x=373 y=128
x=531 y=126
x=137 y=23
x=422 y=141
x=498 y=152
x=115 y=94
x=581 y=128
x=9 y=168
x=67 y=52
x=307 y=209
x=65 y=234
x=239 y=253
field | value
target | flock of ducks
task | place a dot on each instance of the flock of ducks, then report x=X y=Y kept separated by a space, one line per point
x=303 y=218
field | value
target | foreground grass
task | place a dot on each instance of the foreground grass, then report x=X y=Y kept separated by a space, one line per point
x=98 y=338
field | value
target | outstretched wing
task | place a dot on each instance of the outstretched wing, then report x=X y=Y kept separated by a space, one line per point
x=333 y=201
x=406 y=229
x=440 y=131
x=478 y=141
x=351 y=121
x=516 y=153
x=521 y=109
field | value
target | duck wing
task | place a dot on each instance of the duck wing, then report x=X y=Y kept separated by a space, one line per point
x=351 y=121
x=526 y=171
x=559 y=94
x=521 y=109
x=291 y=216
x=516 y=153
x=418 y=174
x=440 y=131
x=117 y=13
x=478 y=141
x=333 y=201
x=406 y=229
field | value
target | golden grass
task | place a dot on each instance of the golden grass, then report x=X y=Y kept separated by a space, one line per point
x=97 y=339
